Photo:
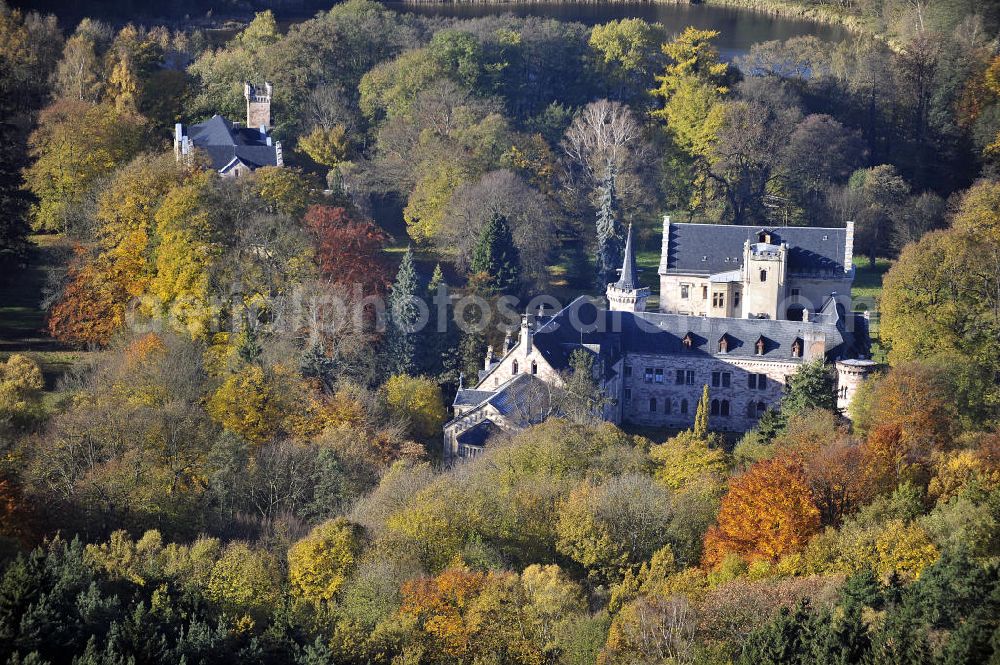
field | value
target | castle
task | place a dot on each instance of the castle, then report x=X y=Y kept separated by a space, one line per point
x=232 y=149
x=741 y=308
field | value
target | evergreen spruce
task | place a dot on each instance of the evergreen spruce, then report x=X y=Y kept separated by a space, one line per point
x=701 y=416
x=610 y=233
x=496 y=255
x=440 y=349
x=401 y=334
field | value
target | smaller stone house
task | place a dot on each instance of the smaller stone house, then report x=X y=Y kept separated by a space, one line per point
x=232 y=149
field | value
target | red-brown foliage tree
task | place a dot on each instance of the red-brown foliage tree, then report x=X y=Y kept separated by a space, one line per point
x=347 y=250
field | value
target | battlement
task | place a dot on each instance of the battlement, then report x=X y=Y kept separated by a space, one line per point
x=258 y=105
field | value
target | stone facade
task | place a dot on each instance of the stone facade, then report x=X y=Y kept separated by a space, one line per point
x=653 y=366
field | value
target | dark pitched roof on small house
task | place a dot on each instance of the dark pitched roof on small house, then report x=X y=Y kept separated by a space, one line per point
x=713 y=248
x=225 y=143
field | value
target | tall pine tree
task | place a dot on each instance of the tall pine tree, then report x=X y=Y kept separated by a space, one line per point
x=701 y=416
x=404 y=314
x=610 y=233
x=496 y=255
x=440 y=348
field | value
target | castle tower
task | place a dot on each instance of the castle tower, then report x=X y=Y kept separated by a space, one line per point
x=850 y=375
x=626 y=295
x=764 y=269
x=258 y=105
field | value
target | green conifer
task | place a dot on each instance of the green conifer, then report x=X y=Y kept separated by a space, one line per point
x=701 y=416
x=610 y=233
x=401 y=335
x=496 y=255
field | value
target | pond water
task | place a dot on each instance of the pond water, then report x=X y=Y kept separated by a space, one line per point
x=739 y=28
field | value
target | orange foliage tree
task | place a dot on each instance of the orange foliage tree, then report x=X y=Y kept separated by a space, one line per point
x=442 y=606
x=347 y=250
x=768 y=512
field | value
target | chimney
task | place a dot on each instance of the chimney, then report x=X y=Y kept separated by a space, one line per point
x=527 y=333
x=489 y=358
x=665 y=245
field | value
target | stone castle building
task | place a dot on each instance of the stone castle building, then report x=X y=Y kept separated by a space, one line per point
x=741 y=308
x=232 y=149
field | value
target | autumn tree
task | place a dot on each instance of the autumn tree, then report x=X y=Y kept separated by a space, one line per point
x=700 y=429
x=347 y=250
x=318 y=565
x=419 y=401
x=21 y=385
x=768 y=512
x=75 y=144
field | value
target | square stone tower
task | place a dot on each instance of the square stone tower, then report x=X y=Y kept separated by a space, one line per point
x=258 y=105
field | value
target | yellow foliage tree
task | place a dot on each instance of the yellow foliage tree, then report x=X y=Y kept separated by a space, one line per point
x=318 y=565
x=419 y=400
x=257 y=404
x=328 y=147
x=21 y=384
x=244 y=581
x=686 y=457
x=767 y=513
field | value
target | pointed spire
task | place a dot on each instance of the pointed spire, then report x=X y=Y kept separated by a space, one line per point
x=629 y=280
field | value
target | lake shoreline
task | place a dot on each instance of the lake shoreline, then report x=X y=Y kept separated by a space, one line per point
x=822 y=15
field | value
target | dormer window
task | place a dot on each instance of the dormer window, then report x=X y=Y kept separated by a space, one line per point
x=688 y=342
x=724 y=344
x=797 y=348
x=764 y=237
x=761 y=346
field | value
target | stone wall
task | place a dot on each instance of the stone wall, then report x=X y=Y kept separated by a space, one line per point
x=739 y=394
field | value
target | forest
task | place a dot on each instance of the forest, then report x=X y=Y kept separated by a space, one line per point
x=204 y=459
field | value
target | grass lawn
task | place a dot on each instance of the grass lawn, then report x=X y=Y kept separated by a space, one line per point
x=22 y=319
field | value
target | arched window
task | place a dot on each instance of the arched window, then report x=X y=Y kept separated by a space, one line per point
x=761 y=408
x=684 y=406
x=667 y=406
x=724 y=408
x=763 y=275
x=751 y=409
x=715 y=407
x=534 y=367
x=652 y=405
x=513 y=367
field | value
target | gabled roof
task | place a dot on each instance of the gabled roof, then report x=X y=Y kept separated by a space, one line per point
x=225 y=143
x=716 y=248
x=479 y=434
x=619 y=333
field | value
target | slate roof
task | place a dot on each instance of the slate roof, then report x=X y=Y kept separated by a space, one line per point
x=225 y=142
x=712 y=248
x=629 y=280
x=470 y=397
x=618 y=333
x=479 y=434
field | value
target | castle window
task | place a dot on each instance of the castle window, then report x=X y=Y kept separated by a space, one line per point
x=736 y=299
x=761 y=346
x=704 y=293
x=722 y=379
x=797 y=348
x=534 y=367
x=658 y=377
x=715 y=407
x=764 y=237
x=652 y=405
x=667 y=405
x=680 y=377
x=718 y=300
x=763 y=275
x=688 y=341
x=684 y=406
x=628 y=371
x=628 y=395
x=648 y=375
x=761 y=408
x=757 y=381
x=724 y=344
x=689 y=377
x=724 y=408
x=685 y=291
x=513 y=367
